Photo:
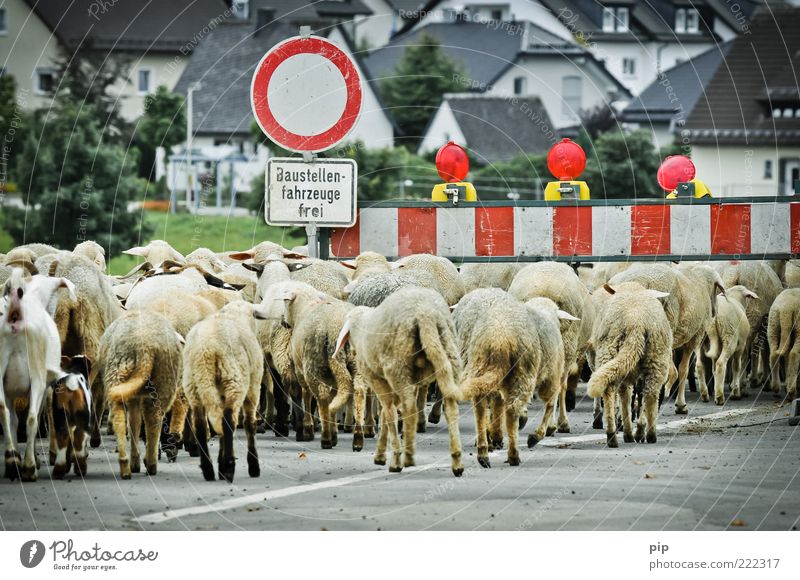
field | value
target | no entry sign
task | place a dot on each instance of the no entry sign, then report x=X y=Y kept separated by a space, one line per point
x=306 y=94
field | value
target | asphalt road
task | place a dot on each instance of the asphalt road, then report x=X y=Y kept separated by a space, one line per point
x=737 y=468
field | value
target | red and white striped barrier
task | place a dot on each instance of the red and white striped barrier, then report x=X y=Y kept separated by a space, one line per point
x=751 y=230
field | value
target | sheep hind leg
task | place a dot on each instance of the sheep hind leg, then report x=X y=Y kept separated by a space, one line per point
x=201 y=438
x=775 y=371
x=496 y=422
x=328 y=436
x=792 y=369
x=683 y=373
x=390 y=418
x=549 y=410
x=118 y=418
x=308 y=417
x=625 y=402
x=227 y=462
x=720 y=370
x=359 y=399
x=512 y=429
x=736 y=375
x=451 y=413
x=597 y=412
x=174 y=439
x=383 y=434
x=422 y=397
x=700 y=375
x=481 y=410
x=610 y=416
x=410 y=410
x=135 y=426
x=153 y=417
x=563 y=420
x=369 y=416
x=12 y=456
x=250 y=429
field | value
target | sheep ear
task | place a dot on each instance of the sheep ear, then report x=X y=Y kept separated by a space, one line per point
x=453 y=307
x=181 y=340
x=25 y=265
x=143 y=267
x=656 y=293
x=294 y=256
x=344 y=336
x=259 y=315
x=348 y=264
x=564 y=315
x=350 y=287
x=137 y=251
x=241 y=256
x=170 y=264
x=257 y=268
x=64 y=283
x=297 y=266
x=750 y=294
x=287 y=295
x=720 y=287
x=609 y=289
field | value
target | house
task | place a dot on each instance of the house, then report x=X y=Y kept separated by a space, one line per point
x=744 y=131
x=223 y=65
x=515 y=59
x=666 y=104
x=491 y=128
x=156 y=37
x=634 y=39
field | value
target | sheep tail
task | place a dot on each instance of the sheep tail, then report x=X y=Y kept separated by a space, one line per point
x=133 y=385
x=614 y=370
x=713 y=340
x=344 y=382
x=787 y=325
x=486 y=383
x=438 y=349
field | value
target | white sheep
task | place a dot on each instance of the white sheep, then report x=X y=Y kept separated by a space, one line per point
x=222 y=369
x=402 y=346
x=783 y=333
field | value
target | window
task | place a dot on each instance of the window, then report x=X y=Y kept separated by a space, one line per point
x=768 y=169
x=687 y=20
x=3 y=24
x=144 y=81
x=615 y=19
x=44 y=81
x=241 y=9
x=497 y=15
x=571 y=94
x=520 y=85
x=629 y=67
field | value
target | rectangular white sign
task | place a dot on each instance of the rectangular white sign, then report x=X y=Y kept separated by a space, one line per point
x=322 y=192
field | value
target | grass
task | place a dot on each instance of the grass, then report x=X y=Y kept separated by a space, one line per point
x=186 y=232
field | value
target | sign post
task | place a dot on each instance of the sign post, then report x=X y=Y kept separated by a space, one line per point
x=306 y=97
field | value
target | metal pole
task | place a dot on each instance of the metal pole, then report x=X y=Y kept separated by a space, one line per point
x=189 y=142
x=311 y=229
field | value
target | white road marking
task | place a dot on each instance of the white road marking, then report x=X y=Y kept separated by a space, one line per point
x=163 y=516
x=676 y=424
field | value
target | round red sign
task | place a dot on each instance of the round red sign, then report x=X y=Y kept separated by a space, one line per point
x=306 y=94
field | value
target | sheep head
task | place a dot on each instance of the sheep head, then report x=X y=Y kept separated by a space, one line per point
x=157 y=252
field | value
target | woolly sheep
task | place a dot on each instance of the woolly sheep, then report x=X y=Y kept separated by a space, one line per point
x=490 y=275
x=401 y=346
x=373 y=289
x=368 y=264
x=222 y=369
x=206 y=259
x=791 y=275
x=727 y=335
x=93 y=252
x=784 y=339
x=632 y=342
x=434 y=272
x=560 y=283
x=157 y=252
x=138 y=367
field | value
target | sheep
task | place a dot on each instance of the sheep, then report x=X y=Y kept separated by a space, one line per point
x=373 y=289
x=489 y=275
x=760 y=278
x=30 y=355
x=632 y=341
x=560 y=283
x=137 y=369
x=504 y=362
x=156 y=283
x=791 y=275
x=206 y=259
x=157 y=252
x=222 y=369
x=315 y=320
x=434 y=272
x=93 y=252
x=325 y=276
x=602 y=272
x=29 y=252
x=784 y=339
x=401 y=346
x=261 y=251
x=689 y=306
x=727 y=334
x=69 y=416
x=81 y=324
x=368 y=264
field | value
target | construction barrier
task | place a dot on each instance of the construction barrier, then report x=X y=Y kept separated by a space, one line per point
x=741 y=228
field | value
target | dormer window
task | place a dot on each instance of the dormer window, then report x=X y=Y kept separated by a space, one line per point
x=687 y=20
x=241 y=9
x=615 y=18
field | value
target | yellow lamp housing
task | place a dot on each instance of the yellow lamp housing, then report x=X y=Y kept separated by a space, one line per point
x=455 y=192
x=694 y=188
x=557 y=190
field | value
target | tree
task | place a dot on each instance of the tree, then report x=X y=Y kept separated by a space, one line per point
x=77 y=186
x=162 y=125
x=623 y=165
x=522 y=175
x=421 y=77
x=11 y=127
x=86 y=76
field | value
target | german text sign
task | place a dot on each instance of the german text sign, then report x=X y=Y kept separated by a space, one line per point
x=322 y=192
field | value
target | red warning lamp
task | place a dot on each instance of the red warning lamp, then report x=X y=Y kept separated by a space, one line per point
x=452 y=164
x=677 y=176
x=566 y=161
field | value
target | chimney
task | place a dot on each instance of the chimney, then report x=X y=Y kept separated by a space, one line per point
x=264 y=16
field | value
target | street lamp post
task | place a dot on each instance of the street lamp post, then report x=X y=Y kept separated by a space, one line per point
x=189 y=138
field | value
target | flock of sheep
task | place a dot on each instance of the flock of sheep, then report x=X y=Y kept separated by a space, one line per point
x=211 y=341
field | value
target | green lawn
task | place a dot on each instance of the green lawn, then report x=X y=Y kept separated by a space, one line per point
x=185 y=232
